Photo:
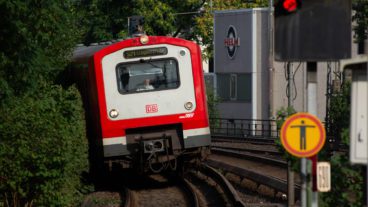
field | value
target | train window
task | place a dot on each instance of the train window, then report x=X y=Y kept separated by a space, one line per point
x=147 y=75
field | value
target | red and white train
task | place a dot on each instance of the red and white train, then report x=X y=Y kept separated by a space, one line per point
x=145 y=101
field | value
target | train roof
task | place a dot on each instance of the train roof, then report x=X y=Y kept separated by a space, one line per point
x=82 y=53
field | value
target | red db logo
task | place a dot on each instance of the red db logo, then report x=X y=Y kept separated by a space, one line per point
x=152 y=108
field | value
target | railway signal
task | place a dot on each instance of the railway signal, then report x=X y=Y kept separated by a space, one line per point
x=312 y=30
x=285 y=7
x=135 y=25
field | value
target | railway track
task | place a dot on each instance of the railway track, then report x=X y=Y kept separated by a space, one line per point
x=165 y=190
x=200 y=186
x=203 y=186
x=254 y=140
x=206 y=178
x=152 y=190
x=259 y=164
x=256 y=151
x=266 y=159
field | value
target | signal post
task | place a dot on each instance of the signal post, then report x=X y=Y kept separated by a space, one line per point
x=303 y=136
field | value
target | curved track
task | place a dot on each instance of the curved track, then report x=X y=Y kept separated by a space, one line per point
x=254 y=140
x=200 y=186
x=271 y=160
x=260 y=164
x=164 y=190
x=225 y=188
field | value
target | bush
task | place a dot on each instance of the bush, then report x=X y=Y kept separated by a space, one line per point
x=347 y=181
x=43 y=148
x=281 y=115
x=212 y=101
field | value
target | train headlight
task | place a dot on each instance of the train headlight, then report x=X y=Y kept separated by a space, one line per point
x=188 y=105
x=114 y=113
x=143 y=39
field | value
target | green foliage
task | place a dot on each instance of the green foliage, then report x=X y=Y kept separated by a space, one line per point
x=35 y=41
x=339 y=111
x=42 y=141
x=212 y=101
x=347 y=183
x=103 y=20
x=281 y=115
x=43 y=148
x=347 y=180
x=160 y=20
x=361 y=18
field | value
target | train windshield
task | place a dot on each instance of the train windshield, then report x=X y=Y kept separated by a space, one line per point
x=147 y=75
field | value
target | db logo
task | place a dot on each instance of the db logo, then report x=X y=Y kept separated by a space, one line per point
x=153 y=108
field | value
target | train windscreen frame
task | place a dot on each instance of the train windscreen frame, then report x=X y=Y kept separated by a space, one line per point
x=147 y=75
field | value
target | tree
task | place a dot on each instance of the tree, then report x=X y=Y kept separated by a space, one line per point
x=43 y=148
x=361 y=18
x=193 y=20
x=42 y=141
x=101 y=20
x=347 y=191
x=105 y=20
x=36 y=42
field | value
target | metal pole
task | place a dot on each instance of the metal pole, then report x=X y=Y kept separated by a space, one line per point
x=313 y=194
x=271 y=56
x=303 y=170
x=366 y=179
x=290 y=181
x=290 y=173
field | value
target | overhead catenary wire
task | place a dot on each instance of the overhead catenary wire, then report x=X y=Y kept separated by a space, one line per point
x=296 y=90
x=291 y=80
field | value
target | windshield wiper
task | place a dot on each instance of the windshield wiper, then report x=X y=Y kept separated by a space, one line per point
x=149 y=61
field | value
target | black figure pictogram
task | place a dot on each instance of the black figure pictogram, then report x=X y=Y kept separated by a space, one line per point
x=303 y=134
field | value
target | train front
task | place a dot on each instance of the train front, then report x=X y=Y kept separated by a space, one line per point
x=152 y=102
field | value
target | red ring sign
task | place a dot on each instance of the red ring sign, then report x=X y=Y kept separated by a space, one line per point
x=302 y=135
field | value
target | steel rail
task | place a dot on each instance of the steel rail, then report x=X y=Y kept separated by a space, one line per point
x=190 y=190
x=273 y=182
x=225 y=185
x=187 y=188
x=265 y=141
x=129 y=198
x=250 y=156
x=264 y=151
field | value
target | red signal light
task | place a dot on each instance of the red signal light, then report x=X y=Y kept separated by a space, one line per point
x=290 y=5
x=286 y=7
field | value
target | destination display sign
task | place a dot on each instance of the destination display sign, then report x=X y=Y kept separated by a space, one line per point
x=145 y=52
